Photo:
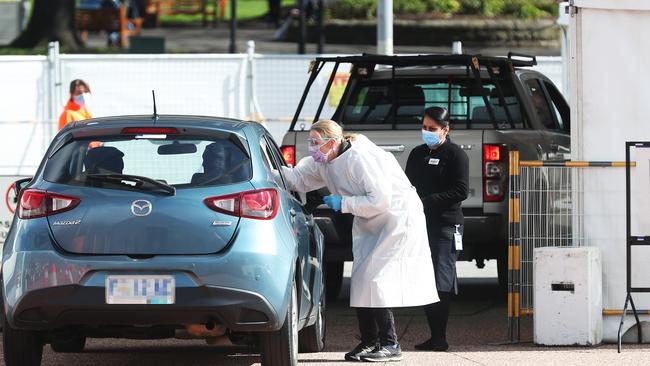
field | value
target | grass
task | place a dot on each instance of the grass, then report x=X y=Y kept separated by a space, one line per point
x=246 y=10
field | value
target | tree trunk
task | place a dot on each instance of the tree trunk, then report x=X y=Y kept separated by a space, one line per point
x=51 y=20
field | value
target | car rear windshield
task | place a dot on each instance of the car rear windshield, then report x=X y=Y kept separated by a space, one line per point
x=400 y=104
x=181 y=162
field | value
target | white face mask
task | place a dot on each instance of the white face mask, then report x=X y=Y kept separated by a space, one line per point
x=82 y=99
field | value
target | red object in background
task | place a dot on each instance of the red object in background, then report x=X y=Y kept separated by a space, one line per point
x=289 y=154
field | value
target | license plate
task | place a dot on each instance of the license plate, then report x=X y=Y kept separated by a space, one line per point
x=140 y=289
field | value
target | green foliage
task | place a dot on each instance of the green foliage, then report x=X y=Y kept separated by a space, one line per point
x=444 y=6
x=528 y=9
x=353 y=9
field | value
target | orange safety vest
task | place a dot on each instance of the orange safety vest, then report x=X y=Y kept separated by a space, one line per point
x=73 y=112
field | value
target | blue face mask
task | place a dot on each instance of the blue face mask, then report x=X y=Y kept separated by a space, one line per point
x=432 y=139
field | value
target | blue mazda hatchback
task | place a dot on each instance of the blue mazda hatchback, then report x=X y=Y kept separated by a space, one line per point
x=161 y=227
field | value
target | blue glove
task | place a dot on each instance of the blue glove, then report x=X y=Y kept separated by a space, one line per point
x=334 y=202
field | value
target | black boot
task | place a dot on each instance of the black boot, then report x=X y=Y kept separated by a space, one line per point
x=437 y=316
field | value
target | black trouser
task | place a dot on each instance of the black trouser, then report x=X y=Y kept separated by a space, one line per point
x=377 y=325
x=437 y=316
x=444 y=256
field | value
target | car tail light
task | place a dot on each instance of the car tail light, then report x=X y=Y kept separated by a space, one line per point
x=491 y=152
x=35 y=203
x=495 y=172
x=289 y=154
x=260 y=204
x=150 y=131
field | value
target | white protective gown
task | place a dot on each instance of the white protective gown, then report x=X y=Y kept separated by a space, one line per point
x=392 y=261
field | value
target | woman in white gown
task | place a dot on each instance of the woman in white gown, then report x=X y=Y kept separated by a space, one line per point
x=392 y=265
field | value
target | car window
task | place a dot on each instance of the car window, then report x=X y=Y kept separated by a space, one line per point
x=560 y=107
x=371 y=103
x=178 y=161
x=540 y=104
x=271 y=161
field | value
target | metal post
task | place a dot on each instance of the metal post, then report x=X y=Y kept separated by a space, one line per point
x=53 y=88
x=514 y=249
x=254 y=112
x=385 y=27
x=302 y=27
x=233 y=27
x=321 y=27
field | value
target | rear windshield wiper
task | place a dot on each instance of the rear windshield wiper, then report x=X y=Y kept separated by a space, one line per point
x=140 y=181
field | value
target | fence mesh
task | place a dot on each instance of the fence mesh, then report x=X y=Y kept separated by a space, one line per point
x=557 y=204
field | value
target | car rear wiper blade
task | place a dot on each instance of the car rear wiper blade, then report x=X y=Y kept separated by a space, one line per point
x=137 y=179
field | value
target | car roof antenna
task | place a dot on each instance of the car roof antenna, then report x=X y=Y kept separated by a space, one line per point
x=155 y=111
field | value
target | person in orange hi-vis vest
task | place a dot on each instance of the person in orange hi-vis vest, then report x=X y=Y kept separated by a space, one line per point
x=75 y=109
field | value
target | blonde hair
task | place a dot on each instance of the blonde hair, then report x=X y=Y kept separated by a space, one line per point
x=331 y=129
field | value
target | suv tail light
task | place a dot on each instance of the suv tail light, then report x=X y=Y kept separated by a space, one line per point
x=35 y=203
x=289 y=154
x=260 y=204
x=495 y=172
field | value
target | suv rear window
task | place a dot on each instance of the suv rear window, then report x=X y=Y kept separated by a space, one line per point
x=178 y=161
x=371 y=103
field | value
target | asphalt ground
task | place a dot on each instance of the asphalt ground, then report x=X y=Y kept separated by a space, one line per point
x=477 y=335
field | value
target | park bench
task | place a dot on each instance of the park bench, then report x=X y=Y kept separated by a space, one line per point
x=206 y=8
x=108 y=20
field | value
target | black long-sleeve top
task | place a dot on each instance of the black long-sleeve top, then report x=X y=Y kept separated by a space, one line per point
x=441 y=177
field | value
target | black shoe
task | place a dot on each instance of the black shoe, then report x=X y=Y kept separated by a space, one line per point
x=384 y=353
x=358 y=351
x=431 y=345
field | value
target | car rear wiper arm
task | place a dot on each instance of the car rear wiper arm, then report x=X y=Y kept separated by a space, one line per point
x=136 y=178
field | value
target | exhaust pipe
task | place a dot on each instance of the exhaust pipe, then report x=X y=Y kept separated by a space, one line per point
x=197 y=331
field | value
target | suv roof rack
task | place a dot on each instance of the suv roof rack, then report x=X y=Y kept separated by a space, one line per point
x=431 y=60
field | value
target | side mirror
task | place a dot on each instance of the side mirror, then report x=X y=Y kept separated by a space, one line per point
x=19 y=185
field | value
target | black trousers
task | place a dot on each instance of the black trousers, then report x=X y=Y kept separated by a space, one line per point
x=437 y=316
x=444 y=256
x=377 y=325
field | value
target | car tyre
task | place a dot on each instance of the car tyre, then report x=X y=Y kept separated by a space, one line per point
x=280 y=348
x=74 y=344
x=21 y=348
x=312 y=338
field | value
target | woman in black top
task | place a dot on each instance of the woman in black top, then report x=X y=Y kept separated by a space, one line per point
x=439 y=170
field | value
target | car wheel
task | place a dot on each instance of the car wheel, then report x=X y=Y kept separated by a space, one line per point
x=21 y=348
x=334 y=279
x=74 y=344
x=312 y=338
x=280 y=348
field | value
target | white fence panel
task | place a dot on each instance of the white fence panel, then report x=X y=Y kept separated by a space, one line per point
x=210 y=85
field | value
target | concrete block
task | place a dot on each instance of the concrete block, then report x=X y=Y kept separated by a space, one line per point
x=568 y=296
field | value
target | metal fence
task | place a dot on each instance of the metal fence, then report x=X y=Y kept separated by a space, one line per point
x=552 y=205
x=246 y=86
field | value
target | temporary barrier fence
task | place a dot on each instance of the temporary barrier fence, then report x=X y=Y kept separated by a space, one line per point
x=547 y=209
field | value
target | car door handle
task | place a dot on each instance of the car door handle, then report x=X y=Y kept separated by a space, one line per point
x=393 y=148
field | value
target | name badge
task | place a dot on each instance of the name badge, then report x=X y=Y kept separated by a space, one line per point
x=458 y=240
x=434 y=161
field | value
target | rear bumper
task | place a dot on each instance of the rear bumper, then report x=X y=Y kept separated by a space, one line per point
x=245 y=291
x=77 y=305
